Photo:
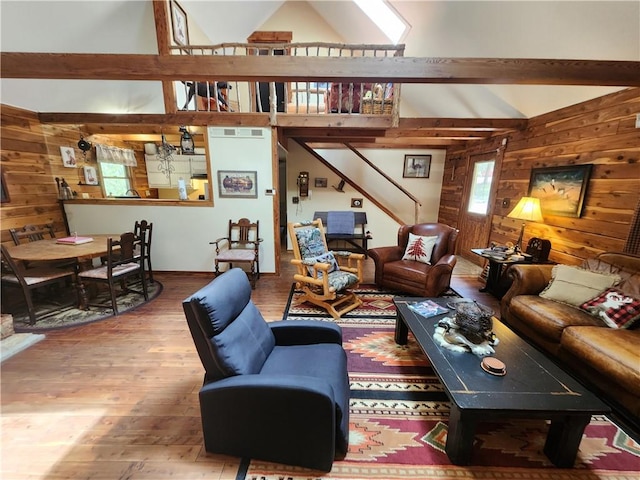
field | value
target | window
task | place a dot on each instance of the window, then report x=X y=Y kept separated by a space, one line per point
x=385 y=17
x=481 y=187
x=116 y=180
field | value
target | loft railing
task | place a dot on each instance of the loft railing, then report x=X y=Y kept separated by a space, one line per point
x=322 y=98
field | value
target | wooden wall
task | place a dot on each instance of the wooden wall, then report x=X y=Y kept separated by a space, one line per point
x=31 y=160
x=600 y=132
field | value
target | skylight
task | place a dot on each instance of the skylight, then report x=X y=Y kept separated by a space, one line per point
x=385 y=17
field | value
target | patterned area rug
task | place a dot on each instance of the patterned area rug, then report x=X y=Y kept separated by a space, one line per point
x=399 y=416
x=376 y=304
x=64 y=317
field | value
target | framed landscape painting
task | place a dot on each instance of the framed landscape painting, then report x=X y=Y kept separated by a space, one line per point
x=561 y=190
x=237 y=184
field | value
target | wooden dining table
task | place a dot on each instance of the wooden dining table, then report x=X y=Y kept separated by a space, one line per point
x=49 y=250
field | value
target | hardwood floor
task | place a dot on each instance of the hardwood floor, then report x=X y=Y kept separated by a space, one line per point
x=118 y=399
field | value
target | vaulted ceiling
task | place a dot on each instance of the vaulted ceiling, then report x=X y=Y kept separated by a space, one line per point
x=442 y=103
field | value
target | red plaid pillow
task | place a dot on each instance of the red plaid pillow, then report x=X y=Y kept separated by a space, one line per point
x=615 y=308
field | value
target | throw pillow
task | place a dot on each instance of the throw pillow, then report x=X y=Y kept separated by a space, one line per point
x=327 y=257
x=419 y=248
x=615 y=308
x=574 y=286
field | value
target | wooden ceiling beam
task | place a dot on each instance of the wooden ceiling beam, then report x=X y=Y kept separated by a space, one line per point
x=332 y=132
x=118 y=129
x=432 y=132
x=516 y=71
x=168 y=120
x=479 y=124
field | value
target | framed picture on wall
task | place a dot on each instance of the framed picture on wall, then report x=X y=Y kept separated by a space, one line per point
x=416 y=166
x=237 y=184
x=68 y=157
x=320 y=182
x=179 y=24
x=561 y=190
x=90 y=176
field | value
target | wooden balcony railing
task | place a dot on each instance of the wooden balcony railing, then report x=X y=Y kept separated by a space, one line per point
x=322 y=98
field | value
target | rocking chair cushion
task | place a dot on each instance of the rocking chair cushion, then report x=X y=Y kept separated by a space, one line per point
x=327 y=257
x=310 y=242
x=340 y=280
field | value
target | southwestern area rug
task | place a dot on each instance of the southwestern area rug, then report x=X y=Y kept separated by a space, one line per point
x=399 y=415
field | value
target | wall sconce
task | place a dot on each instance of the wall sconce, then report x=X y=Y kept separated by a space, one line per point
x=187 y=144
x=527 y=209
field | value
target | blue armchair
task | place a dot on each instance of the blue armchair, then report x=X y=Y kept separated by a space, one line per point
x=275 y=391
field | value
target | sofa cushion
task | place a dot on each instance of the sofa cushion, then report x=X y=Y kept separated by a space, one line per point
x=574 y=286
x=612 y=353
x=419 y=248
x=549 y=318
x=615 y=308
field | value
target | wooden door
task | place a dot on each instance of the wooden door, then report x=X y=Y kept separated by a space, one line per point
x=477 y=209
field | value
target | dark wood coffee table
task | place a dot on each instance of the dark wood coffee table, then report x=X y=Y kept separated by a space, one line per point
x=533 y=387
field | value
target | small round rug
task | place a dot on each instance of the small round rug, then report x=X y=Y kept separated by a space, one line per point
x=69 y=316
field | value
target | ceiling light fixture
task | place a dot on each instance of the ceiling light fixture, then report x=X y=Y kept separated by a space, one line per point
x=165 y=154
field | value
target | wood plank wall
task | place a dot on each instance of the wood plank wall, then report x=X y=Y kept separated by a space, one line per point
x=600 y=132
x=30 y=160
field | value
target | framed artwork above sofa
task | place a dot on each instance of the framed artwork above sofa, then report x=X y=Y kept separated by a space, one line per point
x=561 y=190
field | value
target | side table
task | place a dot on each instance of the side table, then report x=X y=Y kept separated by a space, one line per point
x=494 y=275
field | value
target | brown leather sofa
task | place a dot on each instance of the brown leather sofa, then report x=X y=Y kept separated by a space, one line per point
x=605 y=359
x=417 y=278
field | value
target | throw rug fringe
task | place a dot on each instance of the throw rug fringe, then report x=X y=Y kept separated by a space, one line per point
x=70 y=316
x=398 y=427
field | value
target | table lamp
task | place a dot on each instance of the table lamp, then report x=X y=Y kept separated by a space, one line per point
x=527 y=209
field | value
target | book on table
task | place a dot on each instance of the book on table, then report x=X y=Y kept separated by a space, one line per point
x=74 y=240
x=428 y=308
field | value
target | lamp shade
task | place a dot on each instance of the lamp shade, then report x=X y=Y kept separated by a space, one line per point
x=528 y=208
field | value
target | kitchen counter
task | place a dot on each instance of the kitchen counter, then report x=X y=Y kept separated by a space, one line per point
x=140 y=201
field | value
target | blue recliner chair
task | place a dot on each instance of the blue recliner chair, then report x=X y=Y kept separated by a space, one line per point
x=275 y=391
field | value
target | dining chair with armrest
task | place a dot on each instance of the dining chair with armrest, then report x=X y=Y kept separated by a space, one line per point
x=15 y=274
x=417 y=271
x=241 y=245
x=122 y=263
x=274 y=391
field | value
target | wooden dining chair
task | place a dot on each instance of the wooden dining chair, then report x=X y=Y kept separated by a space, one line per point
x=33 y=233
x=144 y=231
x=122 y=263
x=241 y=245
x=16 y=274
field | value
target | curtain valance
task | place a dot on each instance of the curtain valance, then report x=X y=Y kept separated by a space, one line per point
x=121 y=156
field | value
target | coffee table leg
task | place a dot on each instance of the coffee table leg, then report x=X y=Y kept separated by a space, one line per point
x=564 y=438
x=460 y=434
x=402 y=331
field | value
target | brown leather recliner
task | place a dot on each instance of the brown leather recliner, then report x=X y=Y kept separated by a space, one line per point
x=413 y=277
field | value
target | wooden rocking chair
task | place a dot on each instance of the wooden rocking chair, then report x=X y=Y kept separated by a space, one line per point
x=324 y=276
